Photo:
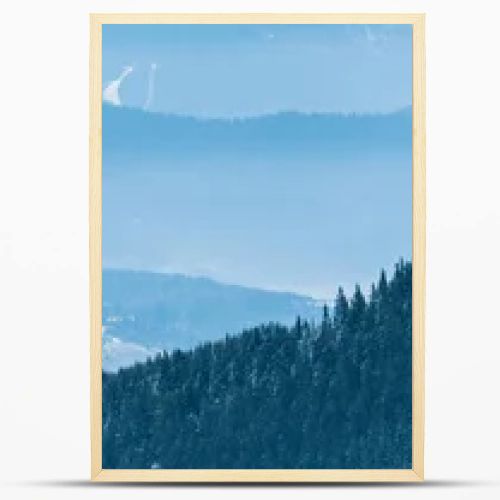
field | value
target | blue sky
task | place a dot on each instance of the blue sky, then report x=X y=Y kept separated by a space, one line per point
x=241 y=70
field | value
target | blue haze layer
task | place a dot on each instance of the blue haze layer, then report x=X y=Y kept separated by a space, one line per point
x=293 y=202
x=274 y=157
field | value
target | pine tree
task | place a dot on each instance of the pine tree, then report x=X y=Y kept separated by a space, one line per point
x=341 y=311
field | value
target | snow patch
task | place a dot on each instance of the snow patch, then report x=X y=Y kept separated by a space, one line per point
x=117 y=353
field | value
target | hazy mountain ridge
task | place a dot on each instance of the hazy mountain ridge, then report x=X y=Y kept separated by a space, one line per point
x=144 y=312
x=128 y=130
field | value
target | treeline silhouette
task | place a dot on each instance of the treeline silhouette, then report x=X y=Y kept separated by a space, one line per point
x=337 y=394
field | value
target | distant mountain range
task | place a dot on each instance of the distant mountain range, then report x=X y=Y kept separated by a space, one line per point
x=145 y=312
x=128 y=131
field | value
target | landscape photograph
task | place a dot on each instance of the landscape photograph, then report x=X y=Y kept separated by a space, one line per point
x=257 y=246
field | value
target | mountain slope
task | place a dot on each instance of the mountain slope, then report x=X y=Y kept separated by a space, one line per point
x=334 y=395
x=144 y=312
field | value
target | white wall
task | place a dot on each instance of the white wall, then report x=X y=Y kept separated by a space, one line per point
x=44 y=442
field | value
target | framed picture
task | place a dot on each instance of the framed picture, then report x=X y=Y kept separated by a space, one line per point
x=257 y=247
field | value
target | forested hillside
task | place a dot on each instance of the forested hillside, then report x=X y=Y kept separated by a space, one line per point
x=331 y=395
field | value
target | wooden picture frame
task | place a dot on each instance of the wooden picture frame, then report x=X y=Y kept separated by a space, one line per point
x=258 y=475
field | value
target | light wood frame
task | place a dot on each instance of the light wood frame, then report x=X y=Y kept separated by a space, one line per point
x=95 y=183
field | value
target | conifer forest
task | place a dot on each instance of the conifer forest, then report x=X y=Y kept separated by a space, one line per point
x=334 y=393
